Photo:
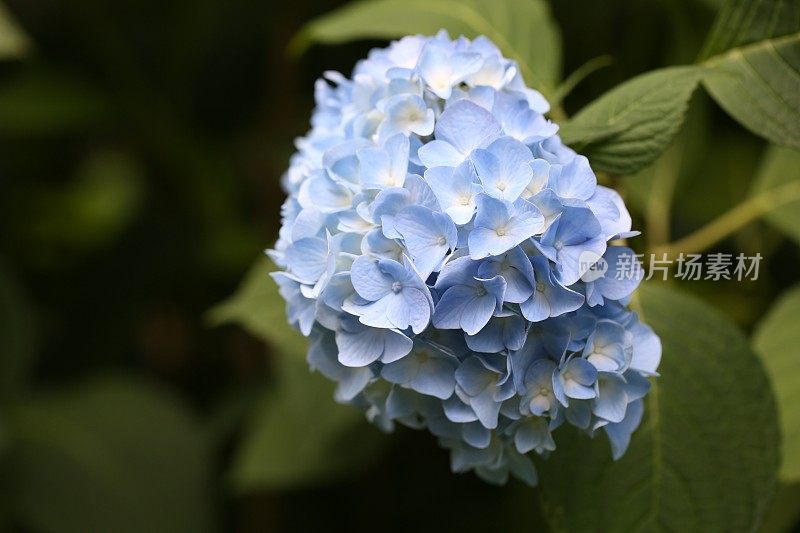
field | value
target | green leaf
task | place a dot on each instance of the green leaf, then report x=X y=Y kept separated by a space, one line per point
x=296 y=432
x=742 y=22
x=91 y=210
x=299 y=436
x=46 y=102
x=759 y=86
x=777 y=341
x=784 y=511
x=523 y=29
x=259 y=308
x=13 y=41
x=17 y=336
x=115 y=454
x=779 y=177
x=704 y=457
x=631 y=125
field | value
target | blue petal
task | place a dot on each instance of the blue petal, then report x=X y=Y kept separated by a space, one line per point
x=619 y=435
x=370 y=281
x=307 y=259
x=387 y=166
x=486 y=408
x=466 y=307
x=457 y=411
x=466 y=126
x=504 y=168
x=436 y=378
x=440 y=154
x=421 y=193
x=321 y=192
x=608 y=207
x=501 y=333
x=407 y=113
x=646 y=349
x=424 y=372
x=579 y=414
x=534 y=434
x=550 y=298
x=515 y=267
x=386 y=205
x=455 y=190
x=458 y=271
x=581 y=371
x=428 y=236
x=624 y=273
x=611 y=399
x=499 y=226
x=574 y=180
x=476 y=435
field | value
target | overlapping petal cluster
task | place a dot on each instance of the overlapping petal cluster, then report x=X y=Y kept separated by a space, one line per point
x=441 y=247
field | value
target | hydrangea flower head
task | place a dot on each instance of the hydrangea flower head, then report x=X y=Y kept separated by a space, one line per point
x=441 y=247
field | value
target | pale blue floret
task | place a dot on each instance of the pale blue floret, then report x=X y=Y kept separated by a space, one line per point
x=360 y=345
x=386 y=166
x=573 y=180
x=428 y=236
x=516 y=269
x=608 y=348
x=407 y=113
x=461 y=128
x=520 y=121
x=483 y=384
x=447 y=254
x=300 y=310
x=395 y=297
x=579 y=414
x=501 y=225
x=624 y=273
x=323 y=193
x=612 y=400
x=539 y=398
x=646 y=349
x=619 y=435
x=468 y=306
x=504 y=332
x=533 y=434
x=608 y=207
x=377 y=244
x=455 y=189
x=575 y=379
x=322 y=357
x=386 y=205
x=504 y=168
x=424 y=370
x=442 y=70
x=575 y=234
x=551 y=298
x=307 y=259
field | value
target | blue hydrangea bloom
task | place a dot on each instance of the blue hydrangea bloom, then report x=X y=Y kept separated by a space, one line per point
x=442 y=248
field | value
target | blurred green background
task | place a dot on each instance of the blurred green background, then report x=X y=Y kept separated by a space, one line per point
x=141 y=146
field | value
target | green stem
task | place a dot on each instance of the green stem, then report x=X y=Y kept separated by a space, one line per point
x=578 y=75
x=732 y=221
x=659 y=202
